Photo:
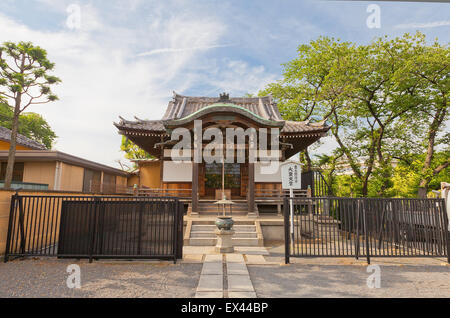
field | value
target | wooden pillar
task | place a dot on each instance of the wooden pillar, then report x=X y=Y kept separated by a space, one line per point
x=251 y=187
x=194 y=187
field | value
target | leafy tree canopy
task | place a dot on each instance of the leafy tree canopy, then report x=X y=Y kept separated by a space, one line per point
x=386 y=101
x=31 y=125
x=132 y=151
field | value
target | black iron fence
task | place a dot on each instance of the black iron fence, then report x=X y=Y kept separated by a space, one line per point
x=366 y=227
x=316 y=182
x=95 y=227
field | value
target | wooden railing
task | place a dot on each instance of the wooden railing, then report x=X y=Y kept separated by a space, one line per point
x=108 y=188
x=279 y=194
x=180 y=193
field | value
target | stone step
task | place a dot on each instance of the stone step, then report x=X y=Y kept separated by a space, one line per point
x=215 y=207
x=211 y=228
x=213 y=241
x=196 y=234
x=221 y=211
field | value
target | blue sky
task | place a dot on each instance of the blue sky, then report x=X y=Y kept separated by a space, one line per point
x=128 y=56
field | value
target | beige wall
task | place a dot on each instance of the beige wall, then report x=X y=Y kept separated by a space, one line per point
x=132 y=180
x=40 y=172
x=121 y=181
x=150 y=175
x=71 y=178
x=5 y=202
x=121 y=184
x=4 y=145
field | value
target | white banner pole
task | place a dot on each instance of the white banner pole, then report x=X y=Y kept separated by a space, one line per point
x=291 y=193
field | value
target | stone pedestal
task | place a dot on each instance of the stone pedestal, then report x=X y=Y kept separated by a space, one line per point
x=224 y=241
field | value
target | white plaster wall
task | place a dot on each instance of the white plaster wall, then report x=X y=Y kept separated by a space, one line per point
x=177 y=172
x=264 y=177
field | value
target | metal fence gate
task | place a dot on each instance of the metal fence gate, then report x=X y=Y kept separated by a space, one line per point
x=95 y=227
x=339 y=227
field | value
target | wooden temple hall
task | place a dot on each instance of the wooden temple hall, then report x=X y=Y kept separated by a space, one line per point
x=200 y=184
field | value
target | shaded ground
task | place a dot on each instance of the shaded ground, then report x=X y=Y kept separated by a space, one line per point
x=47 y=278
x=349 y=281
x=347 y=277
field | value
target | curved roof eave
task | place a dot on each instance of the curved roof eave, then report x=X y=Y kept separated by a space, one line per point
x=222 y=107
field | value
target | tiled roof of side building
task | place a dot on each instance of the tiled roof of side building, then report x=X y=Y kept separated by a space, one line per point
x=5 y=134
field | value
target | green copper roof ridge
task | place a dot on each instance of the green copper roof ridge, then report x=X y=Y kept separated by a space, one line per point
x=225 y=105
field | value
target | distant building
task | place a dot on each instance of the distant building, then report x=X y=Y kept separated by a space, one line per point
x=22 y=142
x=37 y=168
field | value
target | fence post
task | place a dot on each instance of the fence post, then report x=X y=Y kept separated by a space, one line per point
x=94 y=229
x=21 y=225
x=10 y=221
x=366 y=230
x=141 y=211
x=357 y=229
x=445 y=228
x=180 y=225
x=286 y=230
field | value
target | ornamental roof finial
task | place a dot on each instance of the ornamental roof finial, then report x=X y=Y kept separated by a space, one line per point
x=224 y=97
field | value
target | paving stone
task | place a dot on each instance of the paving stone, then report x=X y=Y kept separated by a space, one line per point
x=240 y=283
x=241 y=294
x=235 y=258
x=256 y=260
x=212 y=268
x=251 y=250
x=213 y=259
x=192 y=258
x=209 y=295
x=237 y=269
x=199 y=250
x=213 y=283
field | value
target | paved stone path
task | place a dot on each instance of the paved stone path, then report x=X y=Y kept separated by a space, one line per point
x=227 y=276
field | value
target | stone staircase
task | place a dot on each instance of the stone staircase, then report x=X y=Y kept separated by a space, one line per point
x=202 y=233
x=208 y=208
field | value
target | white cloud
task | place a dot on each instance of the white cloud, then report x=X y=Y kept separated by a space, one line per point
x=103 y=78
x=422 y=25
x=177 y=50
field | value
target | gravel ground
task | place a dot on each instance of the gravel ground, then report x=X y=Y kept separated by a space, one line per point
x=47 y=278
x=297 y=281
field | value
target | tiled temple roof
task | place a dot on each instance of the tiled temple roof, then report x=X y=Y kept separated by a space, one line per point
x=182 y=107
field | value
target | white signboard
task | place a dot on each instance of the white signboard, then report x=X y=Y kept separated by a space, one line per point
x=291 y=175
x=291 y=178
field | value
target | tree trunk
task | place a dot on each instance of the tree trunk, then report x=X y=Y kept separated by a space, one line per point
x=306 y=160
x=437 y=121
x=12 y=147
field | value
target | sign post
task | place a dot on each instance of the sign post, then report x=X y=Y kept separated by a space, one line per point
x=291 y=179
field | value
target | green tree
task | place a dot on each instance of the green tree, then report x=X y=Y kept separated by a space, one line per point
x=24 y=81
x=132 y=151
x=369 y=93
x=429 y=68
x=31 y=125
